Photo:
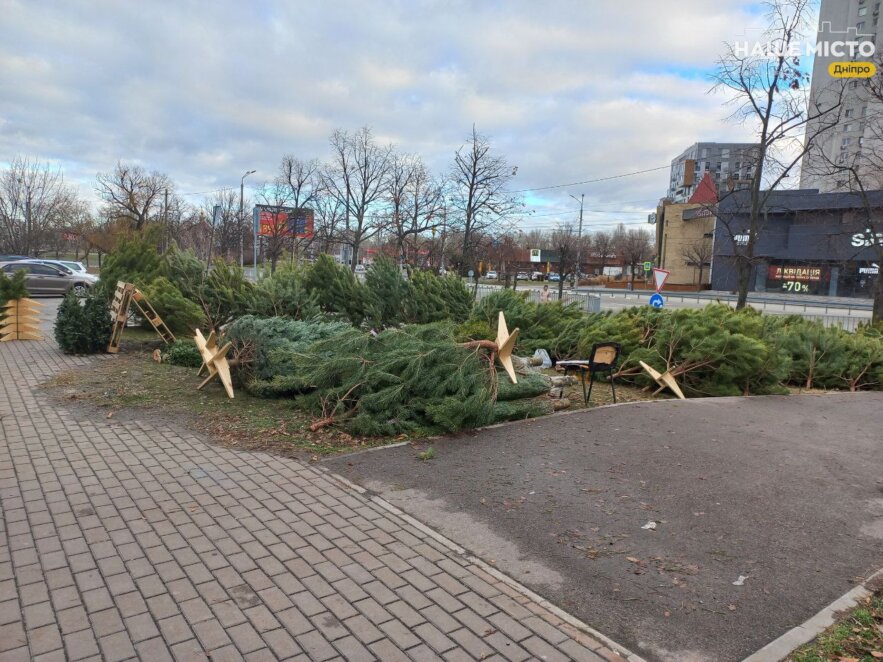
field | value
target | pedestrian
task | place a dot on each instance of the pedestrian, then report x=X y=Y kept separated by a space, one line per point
x=545 y=295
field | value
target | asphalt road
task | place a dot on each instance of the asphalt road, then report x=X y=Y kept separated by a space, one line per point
x=787 y=491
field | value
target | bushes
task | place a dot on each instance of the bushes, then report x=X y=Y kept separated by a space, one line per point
x=433 y=298
x=180 y=314
x=338 y=293
x=133 y=260
x=283 y=294
x=184 y=353
x=82 y=329
x=12 y=288
x=265 y=347
x=402 y=380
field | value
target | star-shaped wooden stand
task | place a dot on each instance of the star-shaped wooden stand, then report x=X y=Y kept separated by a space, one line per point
x=665 y=380
x=20 y=320
x=505 y=345
x=214 y=360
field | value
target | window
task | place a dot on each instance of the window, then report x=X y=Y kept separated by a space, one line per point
x=860 y=26
x=863 y=11
x=725 y=153
x=848 y=113
x=43 y=270
x=848 y=127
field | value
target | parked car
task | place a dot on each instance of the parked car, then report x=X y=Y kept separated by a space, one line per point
x=538 y=275
x=360 y=269
x=47 y=278
x=522 y=275
x=554 y=277
x=73 y=267
x=491 y=275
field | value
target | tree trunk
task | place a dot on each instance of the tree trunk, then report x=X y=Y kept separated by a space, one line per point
x=744 y=275
x=560 y=286
x=877 y=313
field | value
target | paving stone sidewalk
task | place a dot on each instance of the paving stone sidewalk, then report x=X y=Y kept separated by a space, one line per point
x=125 y=540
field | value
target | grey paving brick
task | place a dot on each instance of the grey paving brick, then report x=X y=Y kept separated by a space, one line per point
x=141 y=627
x=113 y=548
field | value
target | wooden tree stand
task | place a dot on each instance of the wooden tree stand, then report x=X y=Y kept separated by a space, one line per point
x=20 y=321
x=665 y=380
x=125 y=295
x=214 y=360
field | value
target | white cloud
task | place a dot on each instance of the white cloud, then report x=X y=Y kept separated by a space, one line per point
x=569 y=90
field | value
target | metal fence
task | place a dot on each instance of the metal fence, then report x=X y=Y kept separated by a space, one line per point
x=591 y=303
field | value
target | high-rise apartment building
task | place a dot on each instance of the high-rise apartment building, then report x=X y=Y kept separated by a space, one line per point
x=731 y=165
x=840 y=21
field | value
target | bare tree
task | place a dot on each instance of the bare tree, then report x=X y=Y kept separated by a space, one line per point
x=479 y=182
x=132 y=193
x=274 y=198
x=224 y=239
x=602 y=242
x=302 y=179
x=34 y=203
x=330 y=215
x=698 y=254
x=633 y=246
x=356 y=177
x=415 y=203
x=770 y=91
x=565 y=241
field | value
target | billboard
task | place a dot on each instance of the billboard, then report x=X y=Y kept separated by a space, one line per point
x=284 y=221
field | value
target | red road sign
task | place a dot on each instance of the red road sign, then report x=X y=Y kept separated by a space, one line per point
x=659 y=277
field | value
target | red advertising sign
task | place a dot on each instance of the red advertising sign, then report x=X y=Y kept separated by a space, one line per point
x=285 y=222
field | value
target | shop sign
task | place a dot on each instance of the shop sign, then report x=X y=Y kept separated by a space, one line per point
x=801 y=274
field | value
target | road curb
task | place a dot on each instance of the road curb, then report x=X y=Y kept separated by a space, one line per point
x=489 y=569
x=780 y=648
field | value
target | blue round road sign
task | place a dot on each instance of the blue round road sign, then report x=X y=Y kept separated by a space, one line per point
x=657 y=301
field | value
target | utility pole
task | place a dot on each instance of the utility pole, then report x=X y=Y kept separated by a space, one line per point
x=444 y=229
x=29 y=238
x=579 y=239
x=165 y=215
x=241 y=233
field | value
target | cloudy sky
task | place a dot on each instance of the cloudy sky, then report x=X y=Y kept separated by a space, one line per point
x=567 y=90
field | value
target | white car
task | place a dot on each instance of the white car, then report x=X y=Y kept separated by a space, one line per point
x=360 y=269
x=491 y=275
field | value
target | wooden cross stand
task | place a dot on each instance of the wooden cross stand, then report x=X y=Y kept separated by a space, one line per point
x=20 y=321
x=214 y=360
x=126 y=294
x=505 y=345
x=665 y=380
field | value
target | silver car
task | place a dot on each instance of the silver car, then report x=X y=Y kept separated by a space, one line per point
x=47 y=278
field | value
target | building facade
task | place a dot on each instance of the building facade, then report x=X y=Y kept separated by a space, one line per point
x=684 y=233
x=730 y=165
x=840 y=21
x=809 y=243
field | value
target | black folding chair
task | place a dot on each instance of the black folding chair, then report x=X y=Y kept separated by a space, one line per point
x=603 y=359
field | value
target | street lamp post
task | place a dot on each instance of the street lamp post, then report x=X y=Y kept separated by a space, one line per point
x=579 y=238
x=241 y=233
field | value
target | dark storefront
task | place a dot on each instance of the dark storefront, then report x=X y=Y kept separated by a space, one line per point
x=810 y=243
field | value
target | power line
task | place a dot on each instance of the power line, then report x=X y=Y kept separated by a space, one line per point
x=593 y=181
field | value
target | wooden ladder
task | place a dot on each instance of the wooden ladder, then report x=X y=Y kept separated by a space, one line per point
x=123 y=297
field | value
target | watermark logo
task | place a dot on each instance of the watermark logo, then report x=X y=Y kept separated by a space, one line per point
x=847 y=45
x=852 y=69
